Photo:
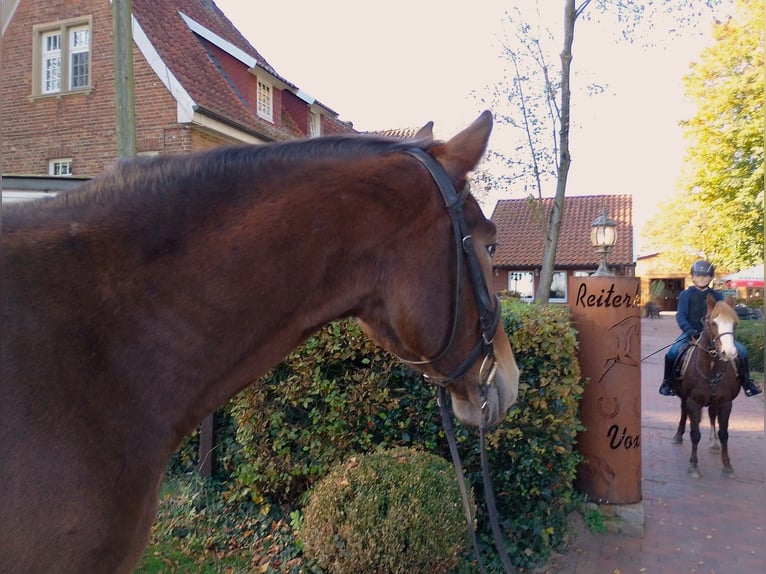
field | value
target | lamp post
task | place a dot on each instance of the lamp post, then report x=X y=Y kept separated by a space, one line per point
x=603 y=235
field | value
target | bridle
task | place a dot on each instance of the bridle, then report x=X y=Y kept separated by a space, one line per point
x=715 y=375
x=489 y=312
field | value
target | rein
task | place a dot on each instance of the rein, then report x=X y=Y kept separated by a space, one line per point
x=714 y=375
x=489 y=312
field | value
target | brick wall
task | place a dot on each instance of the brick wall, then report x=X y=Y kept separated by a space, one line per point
x=78 y=125
x=81 y=125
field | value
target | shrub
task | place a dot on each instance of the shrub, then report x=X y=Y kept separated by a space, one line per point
x=339 y=396
x=336 y=396
x=750 y=334
x=397 y=511
x=531 y=455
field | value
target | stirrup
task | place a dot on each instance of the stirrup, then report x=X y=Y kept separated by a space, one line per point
x=751 y=390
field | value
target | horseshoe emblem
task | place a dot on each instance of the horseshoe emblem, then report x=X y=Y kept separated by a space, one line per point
x=606 y=414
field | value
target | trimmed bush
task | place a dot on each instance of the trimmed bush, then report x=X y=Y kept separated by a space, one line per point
x=389 y=512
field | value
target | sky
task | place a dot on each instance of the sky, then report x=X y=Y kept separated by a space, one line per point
x=401 y=63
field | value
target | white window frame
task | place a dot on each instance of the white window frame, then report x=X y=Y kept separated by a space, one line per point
x=558 y=276
x=60 y=49
x=60 y=167
x=81 y=34
x=315 y=124
x=51 y=62
x=265 y=100
x=523 y=283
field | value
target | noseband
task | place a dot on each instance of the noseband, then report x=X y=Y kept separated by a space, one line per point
x=488 y=309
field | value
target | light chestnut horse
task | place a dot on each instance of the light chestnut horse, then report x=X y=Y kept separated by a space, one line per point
x=138 y=304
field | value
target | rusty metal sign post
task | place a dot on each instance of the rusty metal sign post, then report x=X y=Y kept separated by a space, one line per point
x=607 y=315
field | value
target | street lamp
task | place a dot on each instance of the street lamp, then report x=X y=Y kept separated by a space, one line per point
x=603 y=235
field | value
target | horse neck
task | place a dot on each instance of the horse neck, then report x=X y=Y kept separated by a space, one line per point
x=187 y=318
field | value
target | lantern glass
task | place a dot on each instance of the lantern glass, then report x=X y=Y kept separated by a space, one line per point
x=603 y=231
x=603 y=236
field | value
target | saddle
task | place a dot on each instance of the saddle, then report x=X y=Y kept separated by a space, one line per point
x=682 y=361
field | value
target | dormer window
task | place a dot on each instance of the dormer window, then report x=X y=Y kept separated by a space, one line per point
x=61 y=55
x=315 y=125
x=265 y=105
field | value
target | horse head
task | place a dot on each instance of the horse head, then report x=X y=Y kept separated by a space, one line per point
x=721 y=321
x=440 y=315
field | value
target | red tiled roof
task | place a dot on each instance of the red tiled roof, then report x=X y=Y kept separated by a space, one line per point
x=521 y=230
x=185 y=54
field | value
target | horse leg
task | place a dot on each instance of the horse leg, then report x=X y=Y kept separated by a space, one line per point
x=695 y=414
x=723 y=435
x=715 y=445
x=679 y=436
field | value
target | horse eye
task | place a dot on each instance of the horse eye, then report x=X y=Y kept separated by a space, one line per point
x=491 y=249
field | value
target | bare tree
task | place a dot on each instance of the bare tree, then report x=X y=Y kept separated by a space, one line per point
x=541 y=104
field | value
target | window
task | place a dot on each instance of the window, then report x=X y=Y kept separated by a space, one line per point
x=79 y=46
x=523 y=283
x=265 y=101
x=60 y=167
x=558 y=292
x=62 y=57
x=51 y=63
x=314 y=124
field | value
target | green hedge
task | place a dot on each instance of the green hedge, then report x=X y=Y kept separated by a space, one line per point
x=750 y=334
x=339 y=395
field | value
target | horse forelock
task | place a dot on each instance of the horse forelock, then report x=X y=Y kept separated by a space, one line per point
x=722 y=311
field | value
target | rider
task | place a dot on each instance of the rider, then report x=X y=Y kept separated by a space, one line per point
x=692 y=307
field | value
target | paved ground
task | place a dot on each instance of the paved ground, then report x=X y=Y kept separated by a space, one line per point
x=712 y=525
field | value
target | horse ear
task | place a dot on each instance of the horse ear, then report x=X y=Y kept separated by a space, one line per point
x=462 y=153
x=425 y=134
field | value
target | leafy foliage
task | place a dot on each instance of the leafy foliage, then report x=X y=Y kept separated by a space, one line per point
x=339 y=396
x=336 y=396
x=750 y=334
x=721 y=206
x=532 y=453
x=389 y=512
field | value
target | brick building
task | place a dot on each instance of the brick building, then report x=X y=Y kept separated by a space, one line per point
x=198 y=83
x=521 y=242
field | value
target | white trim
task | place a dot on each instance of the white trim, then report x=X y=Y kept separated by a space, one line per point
x=221 y=128
x=7 y=9
x=215 y=39
x=184 y=100
x=308 y=98
x=21 y=196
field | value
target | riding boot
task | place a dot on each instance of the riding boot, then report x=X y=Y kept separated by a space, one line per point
x=666 y=388
x=750 y=388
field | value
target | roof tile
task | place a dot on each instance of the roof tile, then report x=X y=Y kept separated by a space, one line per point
x=521 y=225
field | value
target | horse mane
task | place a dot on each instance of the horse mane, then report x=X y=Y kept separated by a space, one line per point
x=145 y=177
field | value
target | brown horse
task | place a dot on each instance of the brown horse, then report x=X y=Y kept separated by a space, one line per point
x=135 y=306
x=710 y=380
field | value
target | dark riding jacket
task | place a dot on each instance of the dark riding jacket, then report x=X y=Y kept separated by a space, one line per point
x=692 y=307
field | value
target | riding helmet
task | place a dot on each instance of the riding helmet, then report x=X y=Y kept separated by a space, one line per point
x=703 y=267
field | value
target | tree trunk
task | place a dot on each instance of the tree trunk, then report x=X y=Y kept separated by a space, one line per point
x=557 y=211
